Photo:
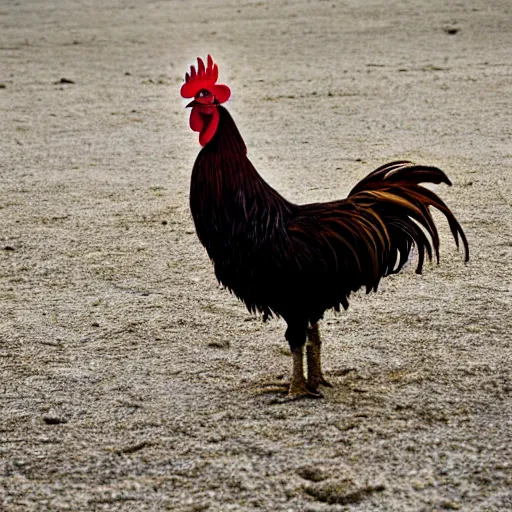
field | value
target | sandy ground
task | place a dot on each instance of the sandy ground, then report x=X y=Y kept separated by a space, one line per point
x=129 y=379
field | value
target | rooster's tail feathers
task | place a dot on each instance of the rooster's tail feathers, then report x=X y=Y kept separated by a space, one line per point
x=401 y=170
x=395 y=193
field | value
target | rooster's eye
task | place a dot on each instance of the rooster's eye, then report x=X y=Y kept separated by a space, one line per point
x=203 y=93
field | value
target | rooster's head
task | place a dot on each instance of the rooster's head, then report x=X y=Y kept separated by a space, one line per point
x=201 y=85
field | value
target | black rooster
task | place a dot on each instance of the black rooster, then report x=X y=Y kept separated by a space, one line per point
x=297 y=261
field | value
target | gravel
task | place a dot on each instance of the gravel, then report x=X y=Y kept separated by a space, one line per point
x=129 y=380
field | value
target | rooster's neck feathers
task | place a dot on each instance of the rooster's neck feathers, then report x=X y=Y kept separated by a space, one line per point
x=230 y=202
x=227 y=140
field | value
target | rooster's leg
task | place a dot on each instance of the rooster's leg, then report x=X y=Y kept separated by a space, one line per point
x=313 y=352
x=298 y=384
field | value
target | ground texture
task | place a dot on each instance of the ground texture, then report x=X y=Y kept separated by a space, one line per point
x=129 y=380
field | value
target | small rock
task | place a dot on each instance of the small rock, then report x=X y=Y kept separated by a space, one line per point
x=54 y=420
x=420 y=485
x=348 y=425
x=312 y=473
x=449 y=505
x=8 y=248
x=342 y=492
x=132 y=448
x=450 y=30
x=64 y=81
x=218 y=344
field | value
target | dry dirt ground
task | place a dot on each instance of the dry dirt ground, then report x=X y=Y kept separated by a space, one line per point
x=129 y=379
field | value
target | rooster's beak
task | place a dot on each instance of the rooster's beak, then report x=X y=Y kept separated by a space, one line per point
x=191 y=104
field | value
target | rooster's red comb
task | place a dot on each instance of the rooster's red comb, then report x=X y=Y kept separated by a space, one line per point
x=204 y=78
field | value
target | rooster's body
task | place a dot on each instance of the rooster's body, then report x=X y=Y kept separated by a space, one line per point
x=297 y=261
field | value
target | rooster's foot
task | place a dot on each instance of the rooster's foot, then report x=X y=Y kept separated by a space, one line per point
x=302 y=391
x=313 y=384
x=298 y=385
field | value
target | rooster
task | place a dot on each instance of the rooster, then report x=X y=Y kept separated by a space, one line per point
x=297 y=261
